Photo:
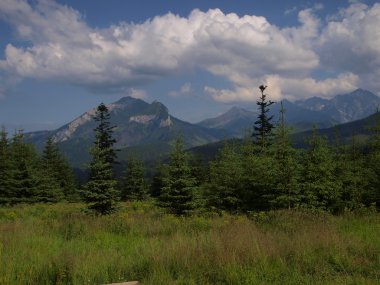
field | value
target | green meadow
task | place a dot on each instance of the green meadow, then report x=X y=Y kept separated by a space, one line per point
x=61 y=244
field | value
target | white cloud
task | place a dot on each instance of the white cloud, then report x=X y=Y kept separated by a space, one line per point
x=290 y=88
x=184 y=90
x=291 y=10
x=351 y=43
x=137 y=93
x=246 y=50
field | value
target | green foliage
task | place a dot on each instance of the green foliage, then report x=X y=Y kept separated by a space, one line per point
x=161 y=174
x=134 y=186
x=258 y=178
x=57 y=170
x=225 y=188
x=177 y=193
x=25 y=179
x=353 y=174
x=101 y=191
x=320 y=188
x=373 y=161
x=59 y=244
x=5 y=168
x=287 y=169
x=263 y=126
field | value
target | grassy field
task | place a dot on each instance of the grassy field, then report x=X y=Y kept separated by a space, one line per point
x=59 y=244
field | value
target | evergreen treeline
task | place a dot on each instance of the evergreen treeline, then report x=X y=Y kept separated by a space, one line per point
x=29 y=177
x=265 y=172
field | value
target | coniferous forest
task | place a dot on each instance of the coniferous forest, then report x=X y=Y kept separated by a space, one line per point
x=263 y=172
x=260 y=212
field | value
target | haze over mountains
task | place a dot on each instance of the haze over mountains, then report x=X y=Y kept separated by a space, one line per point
x=303 y=114
x=149 y=129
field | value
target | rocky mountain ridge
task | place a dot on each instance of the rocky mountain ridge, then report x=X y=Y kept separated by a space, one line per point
x=302 y=114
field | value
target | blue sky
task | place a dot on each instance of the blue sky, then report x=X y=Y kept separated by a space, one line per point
x=60 y=58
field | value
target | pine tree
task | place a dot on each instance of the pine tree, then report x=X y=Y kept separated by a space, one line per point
x=320 y=188
x=372 y=195
x=286 y=166
x=101 y=190
x=353 y=174
x=24 y=173
x=224 y=189
x=263 y=126
x=56 y=167
x=258 y=180
x=5 y=168
x=177 y=194
x=134 y=186
x=161 y=174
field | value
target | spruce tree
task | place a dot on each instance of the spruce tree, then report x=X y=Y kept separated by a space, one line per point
x=24 y=173
x=372 y=195
x=134 y=186
x=56 y=167
x=5 y=168
x=101 y=191
x=161 y=174
x=320 y=188
x=258 y=179
x=224 y=189
x=263 y=126
x=177 y=193
x=353 y=174
x=286 y=192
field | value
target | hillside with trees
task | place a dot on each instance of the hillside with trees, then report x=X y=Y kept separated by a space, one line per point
x=264 y=172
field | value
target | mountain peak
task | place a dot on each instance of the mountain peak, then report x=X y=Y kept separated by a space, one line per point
x=127 y=100
x=236 y=111
x=361 y=93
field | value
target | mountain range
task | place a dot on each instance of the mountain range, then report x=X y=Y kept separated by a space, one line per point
x=302 y=114
x=148 y=129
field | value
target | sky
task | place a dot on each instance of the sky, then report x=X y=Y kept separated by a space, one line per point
x=60 y=58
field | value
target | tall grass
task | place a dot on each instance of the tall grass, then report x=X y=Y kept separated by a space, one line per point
x=59 y=244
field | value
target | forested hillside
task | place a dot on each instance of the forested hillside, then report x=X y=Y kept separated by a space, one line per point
x=265 y=172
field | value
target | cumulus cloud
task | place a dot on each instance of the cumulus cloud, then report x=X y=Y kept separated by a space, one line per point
x=184 y=90
x=246 y=51
x=290 y=88
x=137 y=93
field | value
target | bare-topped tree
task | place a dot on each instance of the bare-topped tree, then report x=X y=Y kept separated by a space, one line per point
x=263 y=127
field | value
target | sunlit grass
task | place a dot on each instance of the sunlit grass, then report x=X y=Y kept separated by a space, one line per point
x=60 y=244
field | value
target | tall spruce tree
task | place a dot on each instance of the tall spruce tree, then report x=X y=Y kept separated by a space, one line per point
x=353 y=174
x=134 y=186
x=372 y=195
x=177 y=193
x=258 y=179
x=5 y=168
x=286 y=192
x=101 y=191
x=225 y=188
x=263 y=126
x=25 y=174
x=320 y=188
x=56 y=167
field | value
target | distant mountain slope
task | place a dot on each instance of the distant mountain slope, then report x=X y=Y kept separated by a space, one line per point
x=137 y=123
x=302 y=114
x=346 y=107
x=299 y=118
x=237 y=121
x=234 y=121
x=360 y=128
